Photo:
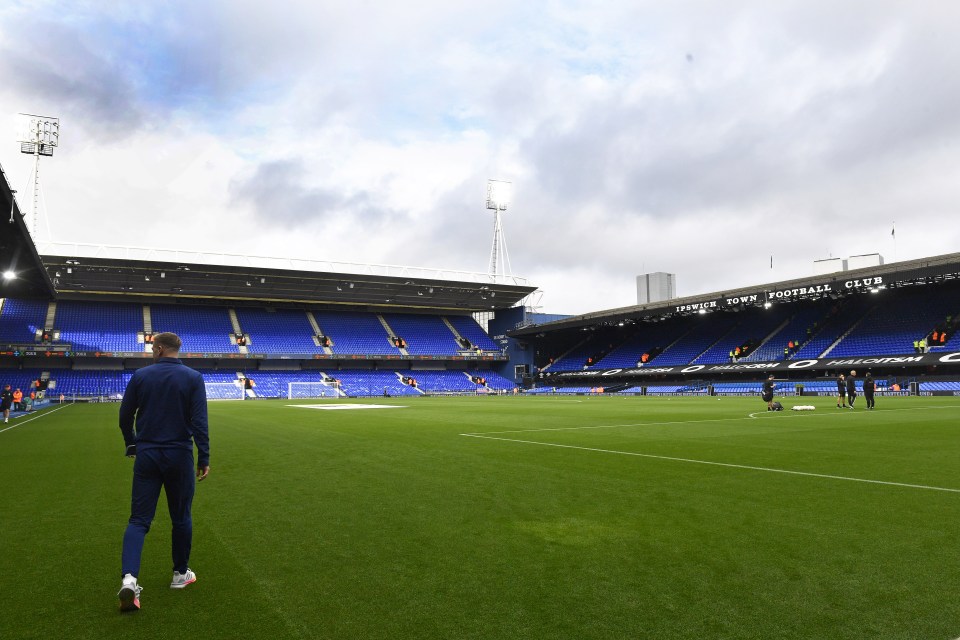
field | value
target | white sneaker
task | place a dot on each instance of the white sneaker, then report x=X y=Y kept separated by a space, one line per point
x=129 y=594
x=180 y=580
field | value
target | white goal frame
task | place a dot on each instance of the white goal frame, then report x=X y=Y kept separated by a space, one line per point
x=225 y=390
x=302 y=390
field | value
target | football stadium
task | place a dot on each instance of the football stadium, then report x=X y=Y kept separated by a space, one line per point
x=386 y=467
x=413 y=452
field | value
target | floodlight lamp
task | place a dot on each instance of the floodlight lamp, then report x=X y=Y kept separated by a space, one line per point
x=498 y=194
x=37 y=134
x=9 y=275
x=703 y=312
x=767 y=305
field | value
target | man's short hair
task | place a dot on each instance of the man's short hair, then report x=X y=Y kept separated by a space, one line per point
x=168 y=340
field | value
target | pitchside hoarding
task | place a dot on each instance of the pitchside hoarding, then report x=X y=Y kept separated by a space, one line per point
x=813 y=364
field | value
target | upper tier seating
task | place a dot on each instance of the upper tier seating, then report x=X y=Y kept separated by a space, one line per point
x=796 y=329
x=277 y=331
x=884 y=333
x=467 y=327
x=754 y=325
x=576 y=359
x=355 y=332
x=425 y=335
x=202 y=329
x=840 y=317
x=99 y=326
x=21 y=319
x=706 y=332
x=646 y=338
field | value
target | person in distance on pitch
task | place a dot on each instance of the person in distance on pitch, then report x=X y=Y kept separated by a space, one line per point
x=851 y=388
x=6 y=400
x=869 y=386
x=169 y=404
x=841 y=392
x=766 y=394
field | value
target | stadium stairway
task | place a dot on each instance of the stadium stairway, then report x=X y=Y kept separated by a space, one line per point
x=237 y=329
x=48 y=324
x=400 y=378
x=318 y=332
x=390 y=332
x=848 y=331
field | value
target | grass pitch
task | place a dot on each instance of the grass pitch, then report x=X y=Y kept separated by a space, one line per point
x=392 y=524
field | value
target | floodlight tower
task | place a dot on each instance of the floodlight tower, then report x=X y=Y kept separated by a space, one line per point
x=498 y=197
x=38 y=136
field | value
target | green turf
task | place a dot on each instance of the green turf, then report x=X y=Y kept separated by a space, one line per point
x=390 y=524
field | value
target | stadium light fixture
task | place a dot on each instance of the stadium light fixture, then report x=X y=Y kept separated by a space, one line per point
x=498 y=198
x=9 y=275
x=38 y=136
x=767 y=305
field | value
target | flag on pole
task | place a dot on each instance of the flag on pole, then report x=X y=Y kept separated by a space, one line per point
x=893 y=230
x=771 y=262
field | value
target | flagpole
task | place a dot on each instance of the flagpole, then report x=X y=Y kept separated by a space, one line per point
x=893 y=234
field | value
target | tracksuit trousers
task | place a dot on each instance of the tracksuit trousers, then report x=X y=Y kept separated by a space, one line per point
x=173 y=470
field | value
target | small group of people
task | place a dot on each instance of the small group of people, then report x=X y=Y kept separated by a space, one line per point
x=14 y=400
x=847 y=390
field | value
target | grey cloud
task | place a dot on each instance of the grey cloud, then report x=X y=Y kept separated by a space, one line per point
x=276 y=193
x=67 y=77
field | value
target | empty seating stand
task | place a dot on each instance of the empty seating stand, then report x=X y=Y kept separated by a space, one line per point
x=355 y=333
x=467 y=327
x=277 y=331
x=21 y=319
x=425 y=335
x=99 y=326
x=202 y=329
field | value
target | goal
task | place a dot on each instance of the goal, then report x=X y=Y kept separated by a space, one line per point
x=310 y=390
x=224 y=390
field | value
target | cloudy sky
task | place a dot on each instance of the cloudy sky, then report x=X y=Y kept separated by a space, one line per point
x=697 y=138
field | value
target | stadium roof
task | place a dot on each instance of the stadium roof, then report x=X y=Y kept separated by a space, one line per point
x=254 y=280
x=17 y=252
x=889 y=276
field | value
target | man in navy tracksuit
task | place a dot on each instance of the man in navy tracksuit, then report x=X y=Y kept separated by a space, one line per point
x=169 y=402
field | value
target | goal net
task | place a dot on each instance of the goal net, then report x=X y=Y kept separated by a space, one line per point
x=224 y=390
x=310 y=390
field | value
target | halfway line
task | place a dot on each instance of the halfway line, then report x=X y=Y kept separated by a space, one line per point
x=42 y=414
x=720 y=464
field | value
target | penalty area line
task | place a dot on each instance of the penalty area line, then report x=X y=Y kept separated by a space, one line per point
x=728 y=465
x=37 y=417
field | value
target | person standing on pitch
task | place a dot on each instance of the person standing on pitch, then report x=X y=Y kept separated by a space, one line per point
x=169 y=403
x=851 y=388
x=6 y=399
x=766 y=394
x=841 y=392
x=869 y=386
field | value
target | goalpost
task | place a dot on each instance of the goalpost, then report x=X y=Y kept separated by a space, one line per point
x=310 y=390
x=224 y=390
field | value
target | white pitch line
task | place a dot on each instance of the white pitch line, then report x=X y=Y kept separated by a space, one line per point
x=734 y=419
x=721 y=464
x=45 y=413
